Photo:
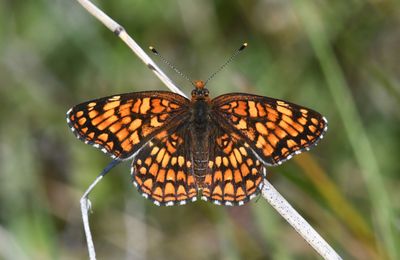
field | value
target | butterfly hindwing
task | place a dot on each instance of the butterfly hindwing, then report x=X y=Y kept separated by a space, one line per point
x=234 y=173
x=162 y=170
x=274 y=129
x=119 y=125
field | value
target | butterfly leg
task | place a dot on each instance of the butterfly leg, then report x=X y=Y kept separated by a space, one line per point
x=86 y=206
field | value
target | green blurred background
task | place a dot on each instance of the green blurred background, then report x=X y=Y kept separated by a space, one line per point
x=339 y=57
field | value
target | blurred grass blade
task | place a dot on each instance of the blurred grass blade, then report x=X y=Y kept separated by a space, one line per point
x=363 y=151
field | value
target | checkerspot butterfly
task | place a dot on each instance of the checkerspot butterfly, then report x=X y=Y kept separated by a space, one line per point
x=180 y=148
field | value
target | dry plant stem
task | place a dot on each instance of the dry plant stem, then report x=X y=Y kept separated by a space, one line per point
x=268 y=192
x=302 y=227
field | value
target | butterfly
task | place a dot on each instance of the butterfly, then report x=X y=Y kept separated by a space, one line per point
x=183 y=149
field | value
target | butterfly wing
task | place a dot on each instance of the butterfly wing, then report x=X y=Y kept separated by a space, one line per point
x=120 y=125
x=274 y=129
x=234 y=173
x=162 y=170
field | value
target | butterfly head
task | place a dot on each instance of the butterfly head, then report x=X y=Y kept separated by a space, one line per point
x=200 y=92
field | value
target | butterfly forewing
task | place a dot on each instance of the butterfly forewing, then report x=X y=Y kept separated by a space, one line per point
x=234 y=175
x=274 y=129
x=121 y=124
x=163 y=171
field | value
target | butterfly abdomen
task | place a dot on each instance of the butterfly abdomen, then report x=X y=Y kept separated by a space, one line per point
x=199 y=129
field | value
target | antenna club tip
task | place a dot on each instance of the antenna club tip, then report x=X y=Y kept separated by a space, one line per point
x=244 y=45
x=153 y=49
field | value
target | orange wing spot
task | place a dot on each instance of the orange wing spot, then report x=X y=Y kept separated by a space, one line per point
x=82 y=121
x=188 y=164
x=238 y=155
x=302 y=120
x=310 y=137
x=304 y=111
x=174 y=106
x=124 y=113
x=154 y=122
x=181 y=160
x=272 y=117
x=126 y=145
x=217 y=176
x=106 y=123
x=228 y=147
x=171 y=175
x=169 y=189
x=261 y=110
x=287 y=119
x=145 y=106
x=226 y=107
x=103 y=137
x=225 y=161
x=268 y=150
x=136 y=106
x=233 y=160
x=237 y=176
x=84 y=130
x=261 y=128
x=148 y=184
x=244 y=170
x=288 y=128
x=142 y=170
x=93 y=114
x=111 y=105
x=180 y=176
x=160 y=155
x=165 y=102
x=135 y=124
x=115 y=128
x=134 y=138
x=241 y=110
x=138 y=180
x=242 y=124
x=170 y=148
x=218 y=161
x=148 y=161
x=173 y=160
x=272 y=139
x=249 y=162
x=234 y=118
x=290 y=143
x=210 y=164
x=72 y=117
x=228 y=175
x=91 y=135
x=154 y=150
x=169 y=197
x=254 y=171
x=154 y=169
x=243 y=151
x=181 y=190
x=298 y=127
x=126 y=106
x=97 y=120
x=284 y=151
x=252 y=109
x=271 y=125
x=303 y=142
x=229 y=191
x=261 y=142
x=312 y=128
x=79 y=113
x=126 y=120
x=217 y=191
x=158 y=193
x=190 y=180
x=165 y=161
x=280 y=133
x=284 y=110
x=282 y=103
x=121 y=135
x=91 y=104
x=208 y=179
x=250 y=186
x=240 y=192
x=139 y=162
x=161 y=176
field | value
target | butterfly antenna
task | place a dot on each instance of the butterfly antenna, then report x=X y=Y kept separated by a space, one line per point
x=244 y=45
x=170 y=65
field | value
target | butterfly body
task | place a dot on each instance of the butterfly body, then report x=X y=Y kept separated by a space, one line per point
x=183 y=148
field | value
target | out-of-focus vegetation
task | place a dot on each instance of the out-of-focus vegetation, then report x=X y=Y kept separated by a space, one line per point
x=341 y=58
